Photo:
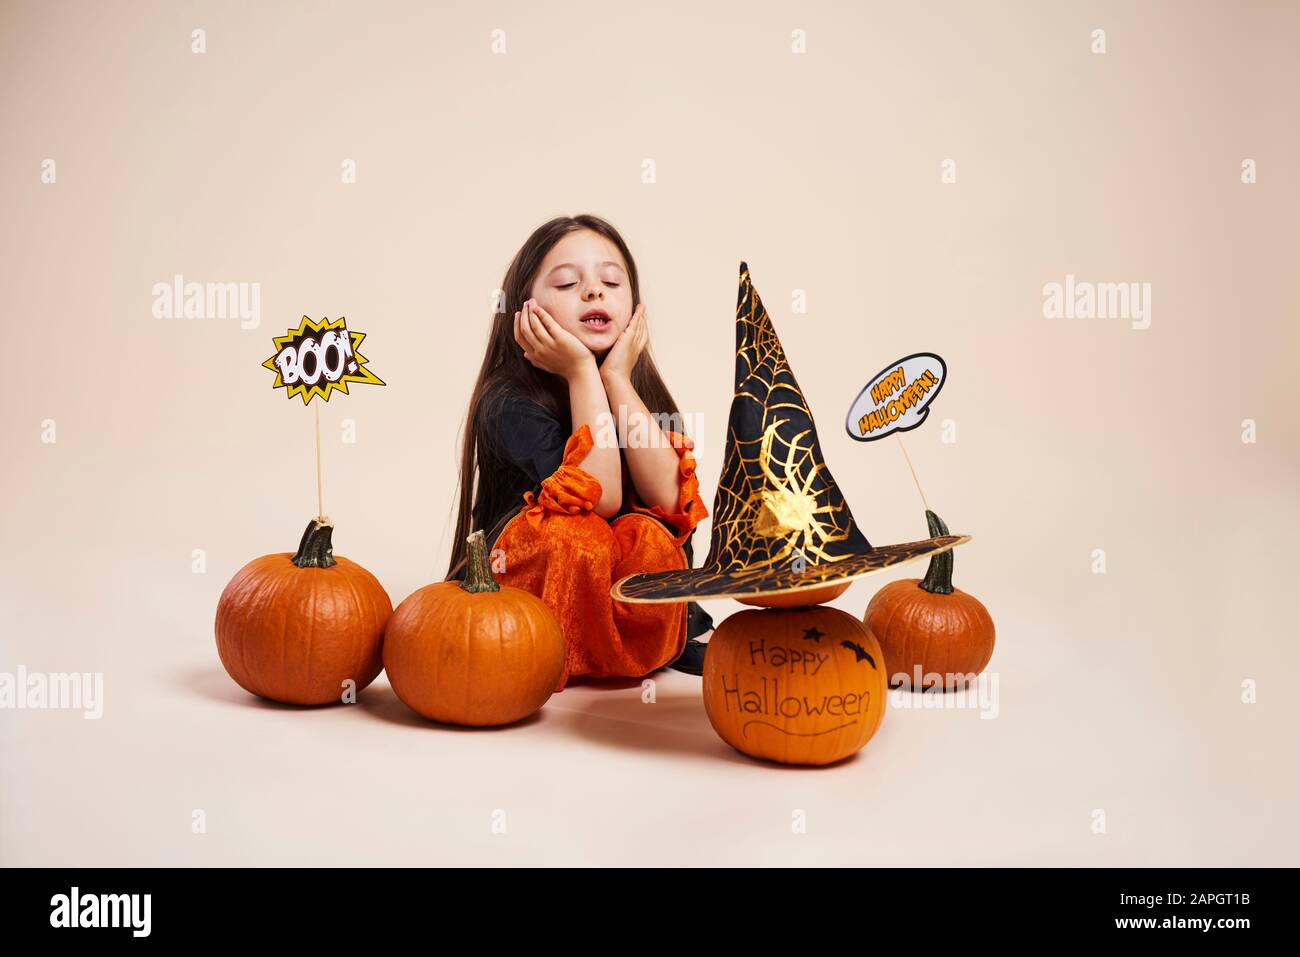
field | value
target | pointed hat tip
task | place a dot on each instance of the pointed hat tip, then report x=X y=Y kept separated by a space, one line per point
x=743 y=287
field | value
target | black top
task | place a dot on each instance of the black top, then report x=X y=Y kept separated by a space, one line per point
x=529 y=448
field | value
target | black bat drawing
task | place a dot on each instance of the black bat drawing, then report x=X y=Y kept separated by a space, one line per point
x=812 y=634
x=859 y=651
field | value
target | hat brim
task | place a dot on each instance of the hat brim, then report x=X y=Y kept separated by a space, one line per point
x=696 y=584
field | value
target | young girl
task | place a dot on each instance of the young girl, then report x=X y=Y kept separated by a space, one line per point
x=567 y=509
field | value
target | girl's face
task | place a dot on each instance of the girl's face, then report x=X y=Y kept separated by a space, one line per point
x=583 y=284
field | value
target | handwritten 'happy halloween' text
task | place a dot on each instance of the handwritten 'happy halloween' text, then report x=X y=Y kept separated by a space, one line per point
x=768 y=700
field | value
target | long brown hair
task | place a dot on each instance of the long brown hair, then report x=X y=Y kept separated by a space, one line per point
x=504 y=367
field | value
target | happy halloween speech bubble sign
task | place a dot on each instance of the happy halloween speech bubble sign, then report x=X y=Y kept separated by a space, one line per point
x=897 y=398
x=319 y=357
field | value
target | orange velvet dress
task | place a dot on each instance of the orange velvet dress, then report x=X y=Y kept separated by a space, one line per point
x=560 y=550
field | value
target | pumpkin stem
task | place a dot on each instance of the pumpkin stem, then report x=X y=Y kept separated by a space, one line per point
x=938 y=577
x=478 y=574
x=316 y=550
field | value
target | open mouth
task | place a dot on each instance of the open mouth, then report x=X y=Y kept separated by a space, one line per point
x=596 y=321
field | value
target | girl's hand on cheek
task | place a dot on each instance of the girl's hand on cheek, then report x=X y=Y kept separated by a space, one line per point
x=547 y=345
x=623 y=355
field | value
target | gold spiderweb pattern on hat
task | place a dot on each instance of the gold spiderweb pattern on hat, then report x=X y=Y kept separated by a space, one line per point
x=777 y=501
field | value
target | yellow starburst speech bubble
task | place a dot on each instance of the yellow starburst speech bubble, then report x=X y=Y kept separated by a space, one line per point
x=319 y=357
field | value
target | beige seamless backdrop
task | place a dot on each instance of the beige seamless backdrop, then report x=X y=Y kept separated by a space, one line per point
x=1120 y=693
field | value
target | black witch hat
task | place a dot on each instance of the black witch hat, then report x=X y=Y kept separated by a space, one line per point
x=780 y=523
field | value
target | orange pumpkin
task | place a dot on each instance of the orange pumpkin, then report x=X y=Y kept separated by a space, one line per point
x=809 y=596
x=928 y=627
x=799 y=686
x=474 y=652
x=294 y=628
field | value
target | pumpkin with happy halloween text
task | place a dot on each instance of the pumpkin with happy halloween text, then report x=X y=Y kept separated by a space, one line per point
x=926 y=626
x=802 y=685
x=296 y=628
x=474 y=652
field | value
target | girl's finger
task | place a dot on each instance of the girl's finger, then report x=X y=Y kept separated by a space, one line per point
x=545 y=316
x=548 y=322
x=562 y=337
x=530 y=342
x=539 y=330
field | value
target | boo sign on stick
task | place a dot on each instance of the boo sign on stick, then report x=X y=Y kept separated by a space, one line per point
x=897 y=398
x=319 y=357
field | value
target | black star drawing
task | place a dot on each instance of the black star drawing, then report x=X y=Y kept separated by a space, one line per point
x=812 y=634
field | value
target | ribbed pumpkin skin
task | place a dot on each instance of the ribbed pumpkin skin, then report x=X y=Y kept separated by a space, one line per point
x=811 y=596
x=943 y=634
x=751 y=715
x=296 y=634
x=480 y=659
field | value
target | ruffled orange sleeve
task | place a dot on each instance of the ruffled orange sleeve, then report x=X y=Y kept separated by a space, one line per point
x=690 y=507
x=568 y=490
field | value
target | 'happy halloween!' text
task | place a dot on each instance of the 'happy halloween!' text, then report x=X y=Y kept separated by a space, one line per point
x=909 y=394
x=897 y=398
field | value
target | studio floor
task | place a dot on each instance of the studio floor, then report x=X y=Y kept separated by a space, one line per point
x=185 y=768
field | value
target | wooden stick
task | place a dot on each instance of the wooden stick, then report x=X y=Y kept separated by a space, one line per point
x=320 y=497
x=913 y=471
